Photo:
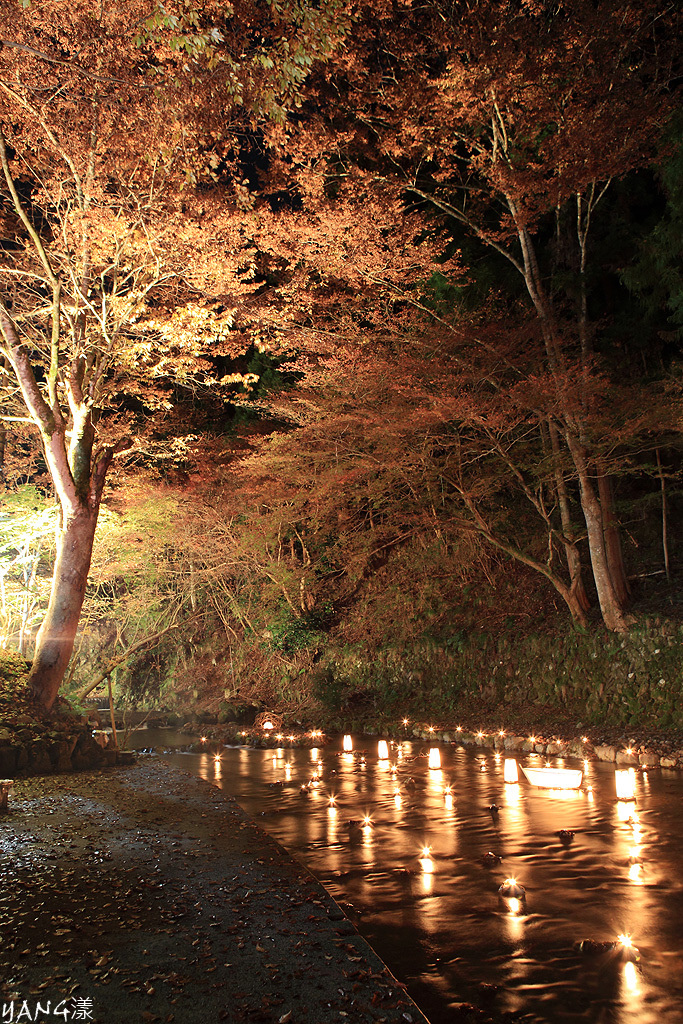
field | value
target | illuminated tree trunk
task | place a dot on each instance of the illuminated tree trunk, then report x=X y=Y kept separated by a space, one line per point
x=612 y=609
x=67 y=434
x=611 y=605
x=56 y=636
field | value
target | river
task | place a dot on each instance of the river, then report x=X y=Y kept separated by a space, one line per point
x=416 y=881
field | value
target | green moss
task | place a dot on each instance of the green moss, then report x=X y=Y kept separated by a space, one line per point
x=599 y=678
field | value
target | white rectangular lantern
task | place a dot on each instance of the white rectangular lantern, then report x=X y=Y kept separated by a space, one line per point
x=434 y=757
x=348 y=743
x=510 y=773
x=626 y=784
x=382 y=750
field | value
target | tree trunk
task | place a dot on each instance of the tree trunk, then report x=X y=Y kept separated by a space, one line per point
x=568 y=596
x=612 y=610
x=610 y=528
x=611 y=607
x=571 y=551
x=56 y=636
x=665 y=541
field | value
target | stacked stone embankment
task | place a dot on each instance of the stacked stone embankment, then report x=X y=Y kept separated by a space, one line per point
x=31 y=747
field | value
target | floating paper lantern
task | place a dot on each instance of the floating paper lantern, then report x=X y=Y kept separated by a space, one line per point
x=383 y=750
x=434 y=758
x=626 y=784
x=348 y=743
x=554 y=778
x=510 y=773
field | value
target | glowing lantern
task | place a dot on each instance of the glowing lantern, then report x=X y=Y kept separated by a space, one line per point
x=510 y=770
x=267 y=726
x=434 y=758
x=383 y=750
x=627 y=950
x=348 y=743
x=427 y=865
x=554 y=778
x=626 y=784
x=513 y=895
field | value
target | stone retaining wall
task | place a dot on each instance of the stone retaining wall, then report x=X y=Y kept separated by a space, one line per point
x=28 y=747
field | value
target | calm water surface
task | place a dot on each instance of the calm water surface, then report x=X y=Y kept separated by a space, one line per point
x=437 y=921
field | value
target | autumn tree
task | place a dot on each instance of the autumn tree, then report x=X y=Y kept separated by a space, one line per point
x=111 y=118
x=510 y=121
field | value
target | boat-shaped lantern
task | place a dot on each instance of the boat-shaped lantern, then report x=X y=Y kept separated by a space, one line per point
x=554 y=778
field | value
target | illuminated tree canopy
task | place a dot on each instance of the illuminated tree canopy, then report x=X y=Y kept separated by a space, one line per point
x=399 y=233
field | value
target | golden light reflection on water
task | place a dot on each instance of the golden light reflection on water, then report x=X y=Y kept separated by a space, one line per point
x=435 y=781
x=626 y=810
x=523 y=833
x=512 y=794
x=635 y=873
x=631 y=980
x=514 y=927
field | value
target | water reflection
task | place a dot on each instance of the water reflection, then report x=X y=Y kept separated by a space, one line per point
x=592 y=867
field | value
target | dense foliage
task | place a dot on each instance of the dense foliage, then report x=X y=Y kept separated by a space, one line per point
x=382 y=305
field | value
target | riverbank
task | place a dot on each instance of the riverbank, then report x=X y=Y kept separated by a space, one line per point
x=142 y=893
x=517 y=730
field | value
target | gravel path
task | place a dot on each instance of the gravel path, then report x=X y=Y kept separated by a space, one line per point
x=145 y=894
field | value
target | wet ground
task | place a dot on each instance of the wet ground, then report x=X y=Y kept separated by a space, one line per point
x=145 y=894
